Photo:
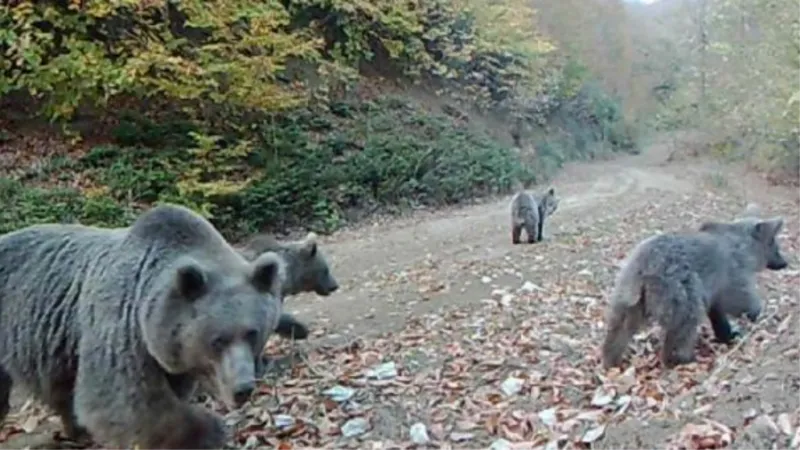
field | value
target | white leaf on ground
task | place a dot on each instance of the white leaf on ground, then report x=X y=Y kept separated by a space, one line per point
x=511 y=386
x=30 y=424
x=601 y=397
x=339 y=393
x=529 y=287
x=593 y=434
x=785 y=424
x=459 y=436
x=384 y=371
x=548 y=417
x=355 y=427
x=284 y=420
x=419 y=434
x=500 y=444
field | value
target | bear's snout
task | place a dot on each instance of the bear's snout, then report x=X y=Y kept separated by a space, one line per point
x=328 y=288
x=242 y=392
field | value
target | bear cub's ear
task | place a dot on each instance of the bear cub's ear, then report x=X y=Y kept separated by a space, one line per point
x=190 y=281
x=766 y=230
x=711 y=227
x=269 y=272
x=752 y=210
x=310 y=245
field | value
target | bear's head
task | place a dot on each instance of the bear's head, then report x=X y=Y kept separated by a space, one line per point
x=313 y=272
x=307 y=268
x=756 y=237
x=210 y=319
x=548 y=202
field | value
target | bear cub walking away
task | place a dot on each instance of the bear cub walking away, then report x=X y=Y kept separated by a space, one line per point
x=115 y=328
x=307 y=270
x=675 y=279
x=528 y=211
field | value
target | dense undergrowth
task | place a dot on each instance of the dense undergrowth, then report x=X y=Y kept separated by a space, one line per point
x=246 y=109
x=311 y=169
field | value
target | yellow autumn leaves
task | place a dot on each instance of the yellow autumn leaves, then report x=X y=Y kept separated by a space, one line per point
x=244 y=53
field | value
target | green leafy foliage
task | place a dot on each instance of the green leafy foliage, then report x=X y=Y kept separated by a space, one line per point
x=242 y=141
x=217 y=52
x=311 y=168
x=237 y=55
x=737 y=83
x=25 y=205
x=394 y=156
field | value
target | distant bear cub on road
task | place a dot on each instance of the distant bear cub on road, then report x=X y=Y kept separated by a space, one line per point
x=677 y=278
x=529 y=211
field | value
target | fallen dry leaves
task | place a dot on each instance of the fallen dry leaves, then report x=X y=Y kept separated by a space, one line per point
x=520 y=369
x=705 y=436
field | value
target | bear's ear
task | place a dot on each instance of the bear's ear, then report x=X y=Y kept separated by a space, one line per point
x=751 y=210
x=766 y=230
x=190 y=281
x=269 y=272
x=713 y=227
x=551 y=191
x=309 y=248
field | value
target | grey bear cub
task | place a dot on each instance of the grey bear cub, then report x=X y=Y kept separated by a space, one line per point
x=676 y=279
x=115 y=328
x=307 y=270
x=528 y=212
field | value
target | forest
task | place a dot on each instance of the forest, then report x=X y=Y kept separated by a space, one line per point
x=315 y=114
x=274 y=116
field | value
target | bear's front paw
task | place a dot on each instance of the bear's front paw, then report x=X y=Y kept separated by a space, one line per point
x=289 y=327
x=728 y=335
x=204 y=430
x=677 y=359
x=193 y=427
x=211 y=431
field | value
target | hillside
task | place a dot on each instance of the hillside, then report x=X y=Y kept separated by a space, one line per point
x=424 y=112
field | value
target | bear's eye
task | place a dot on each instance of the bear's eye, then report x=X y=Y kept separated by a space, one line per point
x=251 y=336
x=220 y=343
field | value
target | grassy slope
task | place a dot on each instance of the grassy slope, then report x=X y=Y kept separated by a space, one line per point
x=316 y=170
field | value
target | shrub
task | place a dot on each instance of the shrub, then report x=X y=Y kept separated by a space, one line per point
x=239 y=140
x=383 y=154
x=218 y=59
x=24 y=205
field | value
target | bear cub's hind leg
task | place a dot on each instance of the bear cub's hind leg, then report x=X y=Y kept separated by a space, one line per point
x=516 y=234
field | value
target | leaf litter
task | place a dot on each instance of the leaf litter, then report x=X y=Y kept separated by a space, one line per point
x=519 y=370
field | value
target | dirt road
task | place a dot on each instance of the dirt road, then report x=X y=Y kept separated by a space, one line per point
x=377 y=265
x=459 y=310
